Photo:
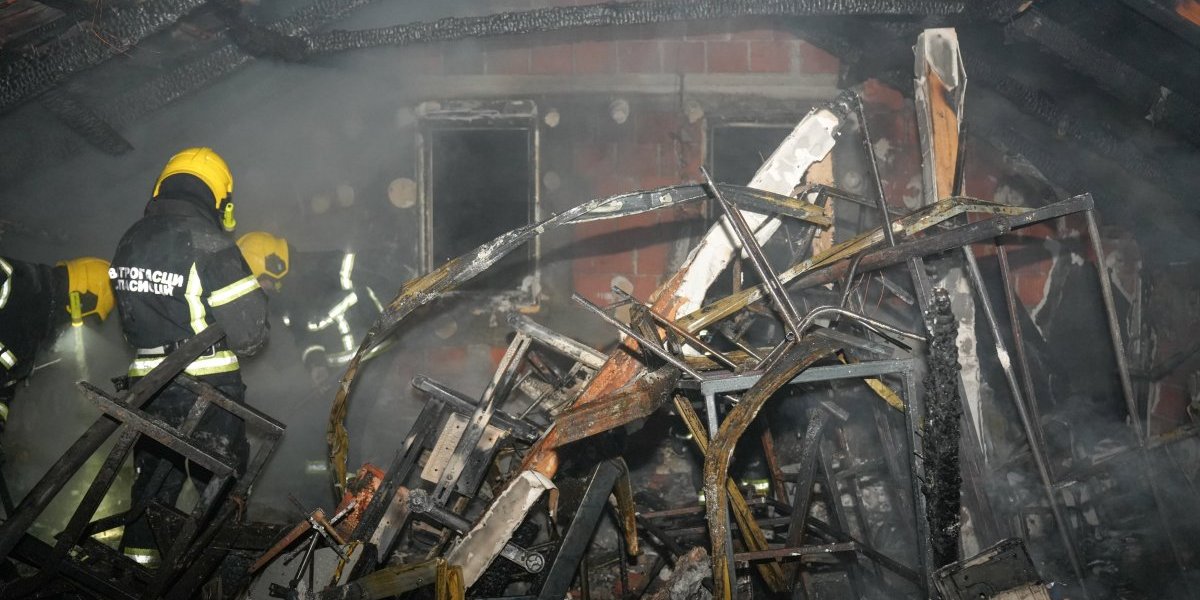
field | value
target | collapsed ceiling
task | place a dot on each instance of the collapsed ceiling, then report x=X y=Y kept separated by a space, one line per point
x=1106 y=78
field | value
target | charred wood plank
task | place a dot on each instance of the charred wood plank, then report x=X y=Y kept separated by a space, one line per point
x=61 y=471
x=120 y=29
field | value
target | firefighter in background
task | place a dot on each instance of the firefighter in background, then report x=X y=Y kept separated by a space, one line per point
x=176 y=272
x=325 y=300
x=36 y=302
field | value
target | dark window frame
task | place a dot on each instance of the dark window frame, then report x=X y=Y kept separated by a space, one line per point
x=464 y=115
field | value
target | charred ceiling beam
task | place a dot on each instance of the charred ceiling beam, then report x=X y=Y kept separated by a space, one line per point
x=202 y=71
x=73 y=9
x=1062 y=164
x=1089 y=134
x=1180 y=18
x=26 y=148
x=1165 y=108
x=82 y=120
x=615 y=14
x=1027 y=123
x=1138 y=41
x=228 y=57
x=120 y=29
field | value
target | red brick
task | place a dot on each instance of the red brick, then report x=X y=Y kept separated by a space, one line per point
x=728 y=57
x=496 y=353
x=594 y=229
x=551 y=59
x=652 y=260
x=597 y=287
x=639 y=56
x=428 y=59
x=612 y=186
x=592 y=258
x=508 y=61
x=1172 y=403
x=752 y=30
x=877 y=92
x=682 y=212
x=816 y=60
x=981 y=185
x=595 y=57
x=594 y=159
x=658 y=181
x=1031 y=287
x=593 y=286
x=637 y=160
x=771 y=57
x=708 y=30
x=640 y=225
x=682 y=57
x=657 y=126
x=464 y=59
x=783 y=33
x=644 y=285
x=602 y=247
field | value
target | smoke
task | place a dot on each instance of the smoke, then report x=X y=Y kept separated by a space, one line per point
x=328 y=154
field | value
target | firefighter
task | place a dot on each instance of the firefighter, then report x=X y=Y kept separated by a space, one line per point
x=176 y=272
x=36 y=302
x=325 y=302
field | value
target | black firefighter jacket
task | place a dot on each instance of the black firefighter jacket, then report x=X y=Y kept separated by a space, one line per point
x=174 y=274
x=29 y=313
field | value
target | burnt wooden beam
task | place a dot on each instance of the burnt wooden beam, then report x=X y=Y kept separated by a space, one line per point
x=1167 y=17
x=1166 y=109
x=81 y=119
x=118 y=29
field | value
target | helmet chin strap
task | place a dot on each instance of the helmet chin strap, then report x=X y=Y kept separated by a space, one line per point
x=228 y=223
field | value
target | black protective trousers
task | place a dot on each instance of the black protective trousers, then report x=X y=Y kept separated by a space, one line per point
x=218 y=432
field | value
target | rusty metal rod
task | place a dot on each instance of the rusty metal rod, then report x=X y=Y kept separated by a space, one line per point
x=727 y=332
x=1027 y=420
x=879 y=197
x=692 y=340
x=1012 y=301
x=649 y=345
x=872 y=324
x=774 y=288
x=795 y=552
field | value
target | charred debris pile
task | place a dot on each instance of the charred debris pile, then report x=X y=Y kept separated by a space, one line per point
x=792 y=436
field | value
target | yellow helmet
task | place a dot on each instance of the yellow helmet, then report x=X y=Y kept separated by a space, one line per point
x=205 y=164
x=90 y=292
x=265 y=253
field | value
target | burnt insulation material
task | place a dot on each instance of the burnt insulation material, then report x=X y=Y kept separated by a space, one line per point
x=71 y=112
x=943 y=415
x=120 y=29
x=617 y=14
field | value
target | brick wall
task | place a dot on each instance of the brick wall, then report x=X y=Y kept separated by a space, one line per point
x=657 y=146
x=735 y=47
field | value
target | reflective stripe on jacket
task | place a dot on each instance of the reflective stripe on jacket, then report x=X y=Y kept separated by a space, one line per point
x=175 y=273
